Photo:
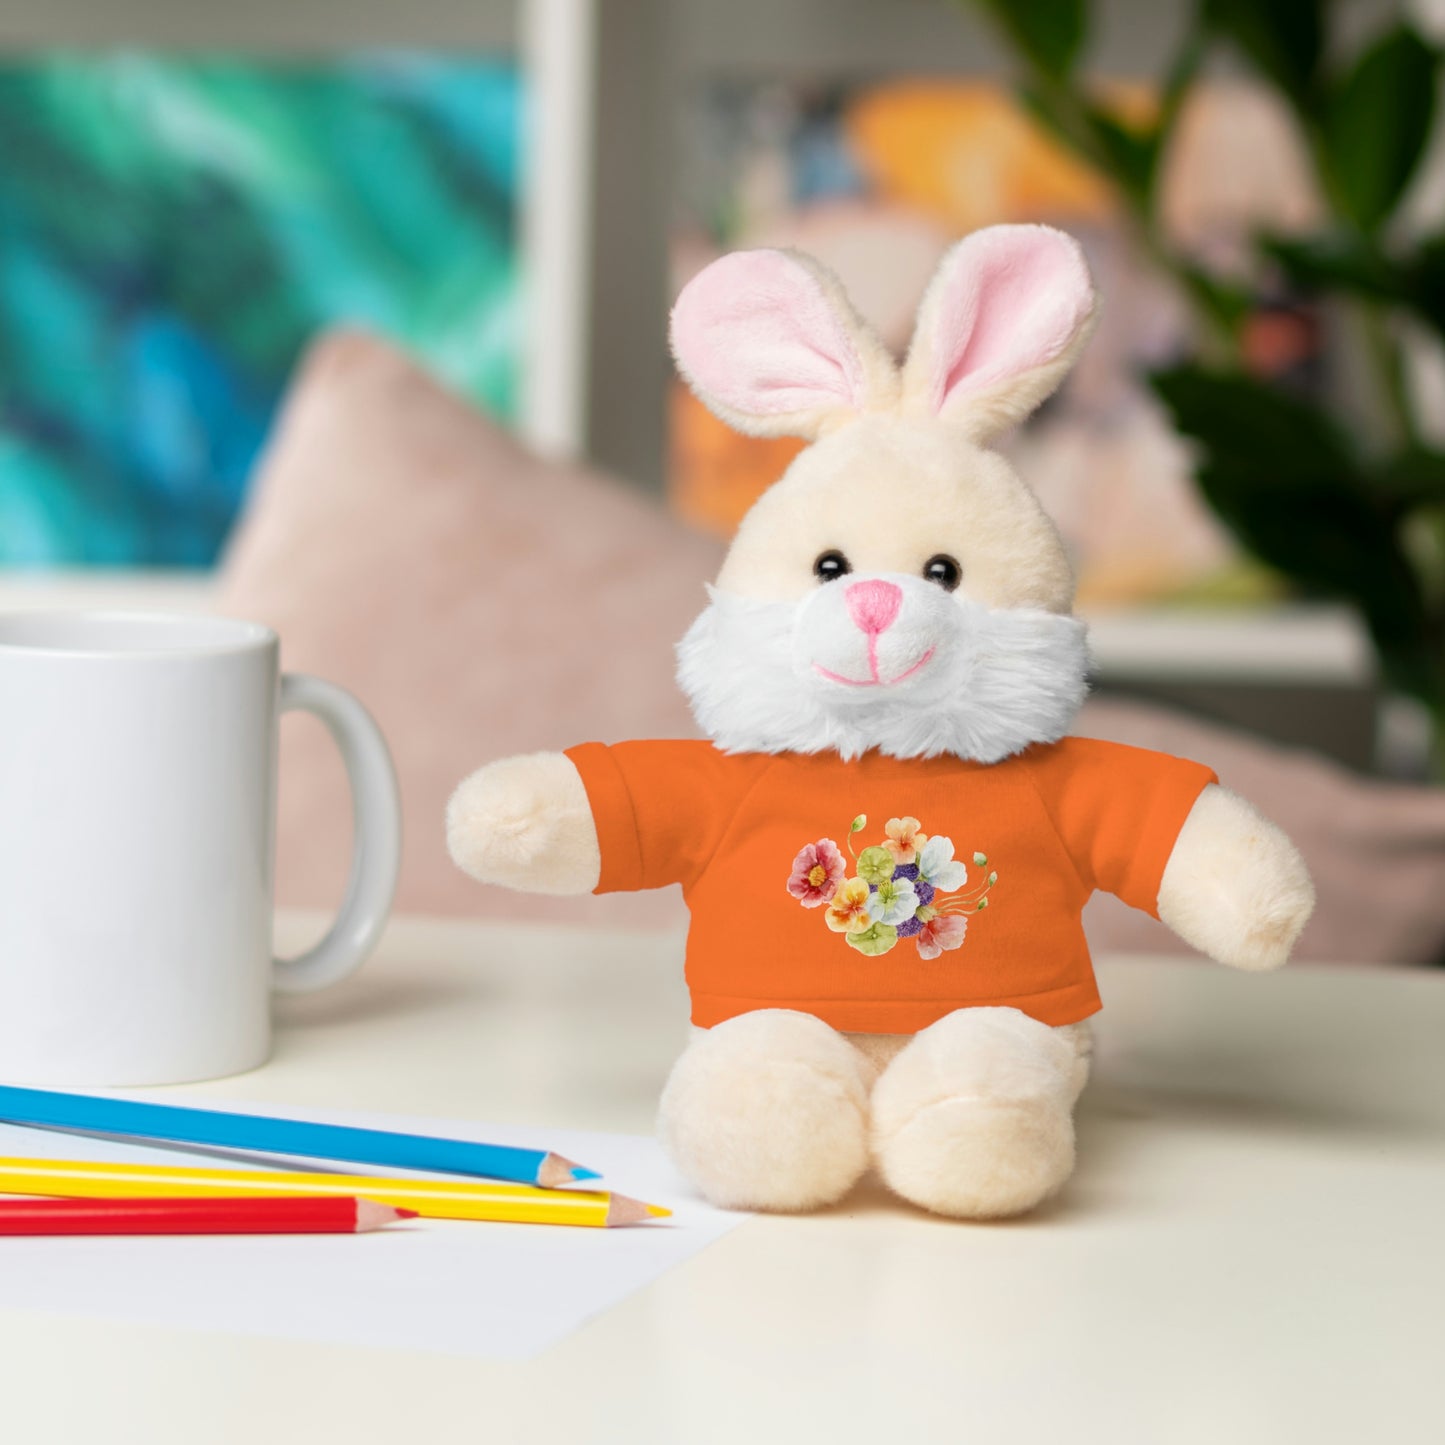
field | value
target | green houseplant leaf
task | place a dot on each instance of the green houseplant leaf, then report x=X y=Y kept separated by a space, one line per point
x=1338 y=261
x=1048 y=33
x=1284 y=38
x=1375 y=123
x=1365 y=523
x=1132 y=155
x=1286 y=479
x=1413 y=477
x=1426 y=291
x=1359 y=265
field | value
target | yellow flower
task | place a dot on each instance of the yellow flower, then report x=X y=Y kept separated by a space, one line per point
x=903 y=840
x=848 y=911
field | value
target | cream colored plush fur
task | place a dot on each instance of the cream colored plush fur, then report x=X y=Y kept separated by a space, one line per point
x=960 y=499
x=881 y=1049
x=1235 y=887
x=525 y=823
x=775 y=1111
x=974 y=1118
x=971 y=1118
x=769 y=1111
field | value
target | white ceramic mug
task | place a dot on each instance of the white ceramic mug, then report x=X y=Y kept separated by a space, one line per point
x=137 y=812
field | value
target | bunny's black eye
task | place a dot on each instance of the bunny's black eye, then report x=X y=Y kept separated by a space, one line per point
x=944 y=570
x=831 y=565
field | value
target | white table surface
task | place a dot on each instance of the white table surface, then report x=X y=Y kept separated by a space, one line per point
x=1252 y=1250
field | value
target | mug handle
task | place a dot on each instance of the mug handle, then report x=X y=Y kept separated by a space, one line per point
x=376 y=838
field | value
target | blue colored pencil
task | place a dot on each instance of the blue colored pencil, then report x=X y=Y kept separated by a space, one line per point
x=257 y=1134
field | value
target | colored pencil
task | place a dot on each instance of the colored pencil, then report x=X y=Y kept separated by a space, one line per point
x=257 y=1134
x=430 y=1198
x=299 y=1215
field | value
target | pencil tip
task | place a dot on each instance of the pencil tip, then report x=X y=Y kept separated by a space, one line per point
x=622 y=1210
x=371 y=1215
x=555 y=1170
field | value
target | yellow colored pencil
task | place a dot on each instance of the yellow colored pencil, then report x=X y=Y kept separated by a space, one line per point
x=430 y=1198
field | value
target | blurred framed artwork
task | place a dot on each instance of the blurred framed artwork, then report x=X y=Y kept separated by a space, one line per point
x=173 y=231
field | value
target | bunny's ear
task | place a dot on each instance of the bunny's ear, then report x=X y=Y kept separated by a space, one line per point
x=1002 y=321
x=771 y=344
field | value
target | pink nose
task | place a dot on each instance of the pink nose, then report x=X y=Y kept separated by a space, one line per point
x=873 y=605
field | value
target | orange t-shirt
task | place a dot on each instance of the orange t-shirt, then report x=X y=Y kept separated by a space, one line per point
x=883 y=893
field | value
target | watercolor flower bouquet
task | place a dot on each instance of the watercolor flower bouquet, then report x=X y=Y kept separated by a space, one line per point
x=907 y=886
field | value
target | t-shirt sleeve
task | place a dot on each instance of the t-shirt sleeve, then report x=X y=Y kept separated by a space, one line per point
x=661 y=807
x=1118 y=811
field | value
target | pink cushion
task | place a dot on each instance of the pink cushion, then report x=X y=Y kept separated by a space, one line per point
x=478 y=600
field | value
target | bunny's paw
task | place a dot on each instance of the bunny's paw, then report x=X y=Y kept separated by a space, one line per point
x=525 y=823
x=1235 y=886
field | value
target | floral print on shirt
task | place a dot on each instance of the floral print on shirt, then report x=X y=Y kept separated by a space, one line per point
x=908 y=885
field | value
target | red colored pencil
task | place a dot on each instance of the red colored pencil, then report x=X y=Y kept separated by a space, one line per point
x=300 y=1215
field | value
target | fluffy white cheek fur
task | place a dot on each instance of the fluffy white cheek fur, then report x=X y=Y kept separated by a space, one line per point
x=832 y=650
x=996 y=682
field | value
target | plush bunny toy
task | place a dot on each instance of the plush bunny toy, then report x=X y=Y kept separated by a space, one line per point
x=887 y=840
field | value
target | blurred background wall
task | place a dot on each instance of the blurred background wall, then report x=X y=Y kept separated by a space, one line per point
x=191 y=193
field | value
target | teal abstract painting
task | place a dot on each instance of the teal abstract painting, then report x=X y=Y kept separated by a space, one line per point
x=173 y=232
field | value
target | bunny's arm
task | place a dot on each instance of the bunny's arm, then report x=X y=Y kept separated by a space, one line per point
x=1235 y=887
x=525 y=822
x=1160 y=833
x=598 y=819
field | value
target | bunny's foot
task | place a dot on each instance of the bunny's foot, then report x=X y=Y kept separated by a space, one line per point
x=769 y=1110
x=974 y=1117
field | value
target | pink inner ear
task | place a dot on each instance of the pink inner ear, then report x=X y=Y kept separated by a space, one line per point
x=1014 y=298
x=757 y=331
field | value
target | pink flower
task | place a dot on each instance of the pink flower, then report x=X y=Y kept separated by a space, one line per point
x=817 y=872
x=903 y=840
x=943 y=930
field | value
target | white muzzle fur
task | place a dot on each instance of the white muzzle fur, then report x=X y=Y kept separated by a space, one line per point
x=905 y=668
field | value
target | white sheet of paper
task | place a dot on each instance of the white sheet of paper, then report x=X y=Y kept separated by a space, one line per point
x=490 y=1291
